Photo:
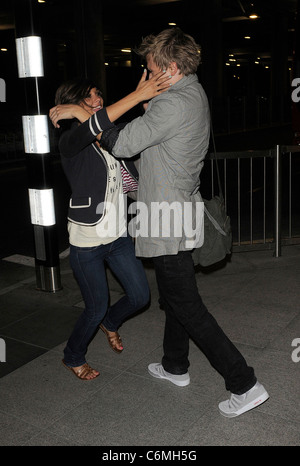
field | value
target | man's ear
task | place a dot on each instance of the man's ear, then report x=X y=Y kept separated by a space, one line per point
x=173 y=68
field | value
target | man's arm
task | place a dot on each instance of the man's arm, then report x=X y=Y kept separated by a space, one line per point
x=157 y=125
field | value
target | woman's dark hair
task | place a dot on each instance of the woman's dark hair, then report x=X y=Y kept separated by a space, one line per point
x=74 y=91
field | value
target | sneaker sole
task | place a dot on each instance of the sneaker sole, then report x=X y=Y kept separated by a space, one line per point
x=254 y=404
x=175 y=382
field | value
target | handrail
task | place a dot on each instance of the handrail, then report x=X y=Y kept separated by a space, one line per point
x=277 y=153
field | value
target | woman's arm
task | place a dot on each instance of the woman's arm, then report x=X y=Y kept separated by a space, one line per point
x=68 y=112
x=145 y=90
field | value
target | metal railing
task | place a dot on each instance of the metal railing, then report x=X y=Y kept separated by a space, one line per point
x=262 y=191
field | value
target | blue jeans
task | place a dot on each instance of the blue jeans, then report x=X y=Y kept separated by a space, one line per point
x=88 y=265
x=187 y=317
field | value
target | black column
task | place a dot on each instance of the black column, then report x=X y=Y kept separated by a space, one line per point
x=296 y=75
x=212 y=56
x=38 y=165
x=89 y=41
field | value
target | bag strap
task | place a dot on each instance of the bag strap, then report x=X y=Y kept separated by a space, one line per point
x=214 y=222
x=216 y=160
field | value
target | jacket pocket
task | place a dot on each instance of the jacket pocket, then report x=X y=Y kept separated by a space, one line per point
x=80 y=202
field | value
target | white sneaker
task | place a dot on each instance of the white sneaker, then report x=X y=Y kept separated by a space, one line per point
x=157 y=370
x=239 y=404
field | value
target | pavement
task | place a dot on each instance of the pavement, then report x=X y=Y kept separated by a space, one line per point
x=254 y=297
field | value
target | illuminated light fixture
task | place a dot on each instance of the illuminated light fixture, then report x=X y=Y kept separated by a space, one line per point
x=247 y=37
x=251 y=12
x=172 y=24
x=41 y=1
x=29 y=57
x=227 y=64
x=232 y=59
x=126 y=50
x=3 y=50
x=256 y=62
x=267 y=67
x=238 y=64
x=36 y=137
x=106 y=64
x=42 y=210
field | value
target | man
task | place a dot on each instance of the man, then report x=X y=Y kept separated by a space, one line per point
x=172 y=137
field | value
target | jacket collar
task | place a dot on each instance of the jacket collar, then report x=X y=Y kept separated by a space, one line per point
x=185 y=81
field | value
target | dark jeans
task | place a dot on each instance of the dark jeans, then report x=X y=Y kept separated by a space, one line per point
x=187 y=317
x=88 y=265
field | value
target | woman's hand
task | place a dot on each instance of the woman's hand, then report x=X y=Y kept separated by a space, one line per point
x=145 y=91
x=67 y=112
x=157 y=84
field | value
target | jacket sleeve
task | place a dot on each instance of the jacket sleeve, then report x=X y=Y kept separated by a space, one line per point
x=78 y=137
x=109 y=137
x=160 y=123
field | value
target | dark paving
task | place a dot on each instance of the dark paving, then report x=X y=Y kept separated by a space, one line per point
x=255 y=298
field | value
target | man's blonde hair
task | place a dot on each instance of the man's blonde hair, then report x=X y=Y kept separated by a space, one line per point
x=172 y=45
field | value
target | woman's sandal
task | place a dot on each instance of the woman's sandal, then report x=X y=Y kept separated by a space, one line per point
x=114 y=339
x=83 y=372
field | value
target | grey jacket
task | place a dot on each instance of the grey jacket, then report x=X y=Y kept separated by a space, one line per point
x=172 y=137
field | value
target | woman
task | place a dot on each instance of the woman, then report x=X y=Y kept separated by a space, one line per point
x=96 y=219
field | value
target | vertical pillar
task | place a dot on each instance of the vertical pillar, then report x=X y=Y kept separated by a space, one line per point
x=89 y=41
x=296 y=75
x=279 y=64
x=277 y=200
x=37 y=150
x=212 y=56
